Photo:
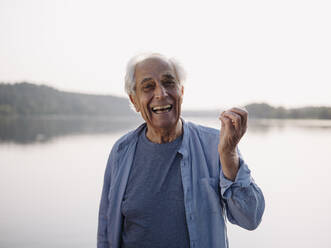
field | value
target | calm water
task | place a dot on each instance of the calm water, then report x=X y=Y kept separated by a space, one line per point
x=51 y=177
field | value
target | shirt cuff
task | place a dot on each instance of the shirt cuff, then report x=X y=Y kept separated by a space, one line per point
x=243 y=179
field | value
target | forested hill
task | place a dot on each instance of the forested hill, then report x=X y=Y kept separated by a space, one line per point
x=266 y=111
x=25 y=99
x=263 y=110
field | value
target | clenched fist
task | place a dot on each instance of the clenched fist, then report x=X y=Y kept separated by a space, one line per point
x=234 y=126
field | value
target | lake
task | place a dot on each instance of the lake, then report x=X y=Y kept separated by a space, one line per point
x=51 y=174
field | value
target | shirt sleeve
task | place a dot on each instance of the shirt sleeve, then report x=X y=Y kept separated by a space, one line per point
x=102 y=237
x=244 y=200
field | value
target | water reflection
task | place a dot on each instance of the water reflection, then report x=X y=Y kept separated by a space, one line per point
x=32 y=130
x=266 y=125
x=50 y=193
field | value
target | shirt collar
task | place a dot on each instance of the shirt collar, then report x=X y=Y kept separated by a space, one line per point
x=183 y=148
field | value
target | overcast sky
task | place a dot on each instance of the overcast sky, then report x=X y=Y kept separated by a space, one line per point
x=235 y=52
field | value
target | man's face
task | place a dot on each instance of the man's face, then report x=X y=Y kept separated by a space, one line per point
x=158 y=94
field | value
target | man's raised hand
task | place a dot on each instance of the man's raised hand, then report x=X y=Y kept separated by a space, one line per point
x=234 y=126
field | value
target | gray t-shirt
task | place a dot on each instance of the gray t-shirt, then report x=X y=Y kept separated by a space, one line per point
x=153 y=203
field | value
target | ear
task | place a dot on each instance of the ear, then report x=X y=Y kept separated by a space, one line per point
x=182 y=94
x=134 y=102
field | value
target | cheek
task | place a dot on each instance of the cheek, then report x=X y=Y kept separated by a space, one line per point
x=145 y=105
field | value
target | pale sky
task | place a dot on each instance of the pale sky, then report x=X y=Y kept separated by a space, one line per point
x=234 y=52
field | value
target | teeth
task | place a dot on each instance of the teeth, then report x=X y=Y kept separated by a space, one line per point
x=161 y=107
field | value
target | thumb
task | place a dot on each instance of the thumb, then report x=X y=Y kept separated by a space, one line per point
x=222 y=121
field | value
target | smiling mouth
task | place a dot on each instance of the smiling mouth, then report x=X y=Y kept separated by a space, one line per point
x=162 y=109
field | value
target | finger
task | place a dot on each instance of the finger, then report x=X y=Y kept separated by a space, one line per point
x=232 y=116
x=226 y=122
x=222 y=121
x=243 y=113
x=220 y=118
x=235 y=119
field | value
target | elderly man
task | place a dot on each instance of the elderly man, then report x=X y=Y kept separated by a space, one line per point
x=172 y=183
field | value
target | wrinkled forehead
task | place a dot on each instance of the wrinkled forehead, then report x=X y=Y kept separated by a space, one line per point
x=153 y=67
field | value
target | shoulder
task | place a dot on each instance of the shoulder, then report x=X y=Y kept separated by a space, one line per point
x=121 y=148
x=127 y=139
x=199 y=135
x=201 y=130
x=201 y=142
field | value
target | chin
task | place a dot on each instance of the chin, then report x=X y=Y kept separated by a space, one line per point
x=164 y=123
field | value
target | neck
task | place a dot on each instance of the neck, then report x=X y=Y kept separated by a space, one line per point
x=165 y=135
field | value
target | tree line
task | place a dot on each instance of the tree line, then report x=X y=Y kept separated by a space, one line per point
x=26 y=99
x=264 y=110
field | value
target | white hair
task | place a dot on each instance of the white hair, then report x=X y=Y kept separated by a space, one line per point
x=130 y=80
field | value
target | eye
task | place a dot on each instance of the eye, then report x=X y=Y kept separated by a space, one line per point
x=168 y=83
x=148 y=86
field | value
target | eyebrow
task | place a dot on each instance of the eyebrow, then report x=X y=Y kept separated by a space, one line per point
x=145 y=80
x=168 y=76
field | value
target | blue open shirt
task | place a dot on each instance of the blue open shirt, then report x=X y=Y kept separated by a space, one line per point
x=209 y=197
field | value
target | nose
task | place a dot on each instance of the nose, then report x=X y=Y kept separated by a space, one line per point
x=160 y=91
